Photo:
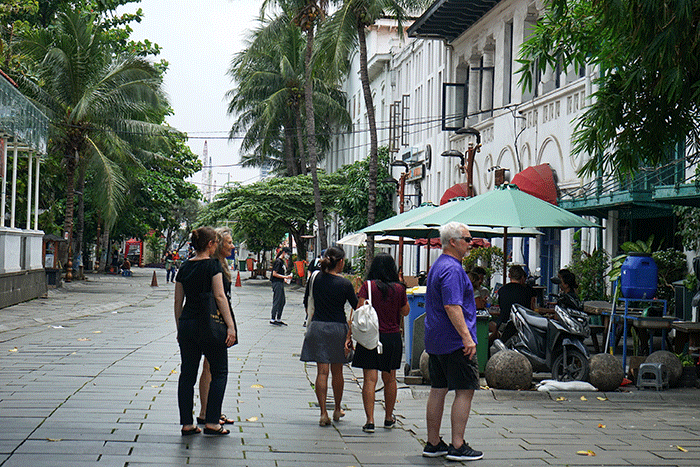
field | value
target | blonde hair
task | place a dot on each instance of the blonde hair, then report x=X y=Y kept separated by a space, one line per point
x=221 y=233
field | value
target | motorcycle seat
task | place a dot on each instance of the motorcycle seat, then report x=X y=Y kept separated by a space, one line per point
x=536 y=321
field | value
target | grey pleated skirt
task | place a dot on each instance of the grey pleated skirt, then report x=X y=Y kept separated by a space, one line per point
x=324 y=342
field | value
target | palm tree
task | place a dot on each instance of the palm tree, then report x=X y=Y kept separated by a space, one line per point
x=341 y=35
x=308 y=13
x=98 y=104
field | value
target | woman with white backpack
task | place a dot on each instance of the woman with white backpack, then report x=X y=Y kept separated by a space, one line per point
x=388 y=297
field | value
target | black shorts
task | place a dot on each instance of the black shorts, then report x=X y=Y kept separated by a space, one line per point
x=454 y=371
x=388 y=360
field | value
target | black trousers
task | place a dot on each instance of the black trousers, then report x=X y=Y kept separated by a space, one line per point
x=192 y=347
x=278 y=299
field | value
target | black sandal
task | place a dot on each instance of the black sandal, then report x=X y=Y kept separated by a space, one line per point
x=220 y=432
x=191 y=431
x=224 y=420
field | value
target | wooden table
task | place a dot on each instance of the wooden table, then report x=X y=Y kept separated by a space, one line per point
x=692 y=331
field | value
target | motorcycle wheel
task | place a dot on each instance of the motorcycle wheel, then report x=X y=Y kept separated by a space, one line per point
x=574 y=369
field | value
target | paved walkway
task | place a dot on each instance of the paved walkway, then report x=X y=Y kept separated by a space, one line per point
x=88 y=376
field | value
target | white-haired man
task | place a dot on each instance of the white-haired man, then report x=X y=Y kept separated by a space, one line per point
x=450 y=340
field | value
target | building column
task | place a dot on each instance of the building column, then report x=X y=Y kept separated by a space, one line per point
x=29 y=191
x=36 y=194
x=3 y=174
x=13 y=203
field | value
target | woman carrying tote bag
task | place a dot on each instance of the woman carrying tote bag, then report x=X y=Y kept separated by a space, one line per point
x=197 y=277
x=328 y=340
x=390 y=301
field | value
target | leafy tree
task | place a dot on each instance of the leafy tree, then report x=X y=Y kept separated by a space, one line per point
x=268 y=98
x=353 y=179
x=649 y=88
x=264 y=212
x=96 y=103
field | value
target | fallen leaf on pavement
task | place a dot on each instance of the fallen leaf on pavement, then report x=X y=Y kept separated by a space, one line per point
x=600 y=425
x=172 y=372
x=54 y=440
x=97 y=332
x=157 y=368
x=251 y=419
x=602 y=398
x=14 y=350
x=682 y=449
x=257 y=386
x=561 y=398
x=583 y=398
x=83 y=339
x=585 y=453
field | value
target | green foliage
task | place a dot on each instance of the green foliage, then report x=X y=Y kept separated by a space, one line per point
x=672 y=267
x=589 y=270
x=490 y=258
x=262 y=213
x=688 y=226
x=358 y=261
x=647 y=97
x=351 y=205
x=155 y=243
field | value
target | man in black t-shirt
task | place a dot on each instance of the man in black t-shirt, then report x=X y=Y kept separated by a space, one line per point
x=513 y=292
x=277 y=279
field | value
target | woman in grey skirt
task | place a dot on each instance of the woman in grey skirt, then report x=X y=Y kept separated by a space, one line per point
x=328 y=339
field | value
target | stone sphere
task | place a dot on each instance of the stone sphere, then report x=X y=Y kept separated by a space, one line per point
x=508 y=369
x=671 y=362
x=424 y=366
x=606 y=372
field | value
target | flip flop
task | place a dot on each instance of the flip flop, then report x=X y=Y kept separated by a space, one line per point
x=191 y=431
x=220 y=432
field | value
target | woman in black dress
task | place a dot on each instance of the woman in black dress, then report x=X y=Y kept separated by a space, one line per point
x=328 y=340
x=223 y=251
x=197 y=277
x=390 y=301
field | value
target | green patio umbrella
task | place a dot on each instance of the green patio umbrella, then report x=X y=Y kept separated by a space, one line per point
x=399 y=220
x=506 y=207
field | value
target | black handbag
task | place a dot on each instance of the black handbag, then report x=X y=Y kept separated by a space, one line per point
x=214 y=326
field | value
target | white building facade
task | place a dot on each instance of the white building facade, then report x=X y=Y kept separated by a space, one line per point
x=458 y=69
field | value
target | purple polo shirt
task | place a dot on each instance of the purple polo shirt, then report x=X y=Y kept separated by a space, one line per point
x=448 y=284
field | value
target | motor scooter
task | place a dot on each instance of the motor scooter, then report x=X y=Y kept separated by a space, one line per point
x=551 y=345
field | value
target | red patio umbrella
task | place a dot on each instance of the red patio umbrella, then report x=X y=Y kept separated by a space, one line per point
x=459 y=190
x=538 y=181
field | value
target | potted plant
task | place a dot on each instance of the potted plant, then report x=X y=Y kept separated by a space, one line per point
x=689 y=377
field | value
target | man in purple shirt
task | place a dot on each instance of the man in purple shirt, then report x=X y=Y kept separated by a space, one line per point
x=450 y=340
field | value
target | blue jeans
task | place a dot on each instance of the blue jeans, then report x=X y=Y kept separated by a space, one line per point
x=170 y=274
x=192 y=347
x=278 y=299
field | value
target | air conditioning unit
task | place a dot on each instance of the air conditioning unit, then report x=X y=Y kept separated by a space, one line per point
x=409 y=155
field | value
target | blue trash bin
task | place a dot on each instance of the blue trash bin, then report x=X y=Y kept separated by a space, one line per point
x=416 y=302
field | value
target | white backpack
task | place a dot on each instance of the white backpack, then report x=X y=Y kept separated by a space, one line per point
x=365 y=324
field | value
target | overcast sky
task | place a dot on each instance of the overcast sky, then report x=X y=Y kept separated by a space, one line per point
x=199 y=38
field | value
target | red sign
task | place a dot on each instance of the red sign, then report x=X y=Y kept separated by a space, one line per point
x=416 y=173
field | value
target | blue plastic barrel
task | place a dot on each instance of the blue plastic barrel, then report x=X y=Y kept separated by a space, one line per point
x=416 y=302
x=640 y=276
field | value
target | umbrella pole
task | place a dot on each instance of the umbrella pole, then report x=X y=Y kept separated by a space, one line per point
x=505 y=254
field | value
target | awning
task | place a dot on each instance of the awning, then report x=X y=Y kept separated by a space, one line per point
x=538 y=181
x=459 y=190
x=449 y=19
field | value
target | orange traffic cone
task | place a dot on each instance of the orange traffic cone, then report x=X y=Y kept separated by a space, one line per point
x=238 y=279
x=154 y=281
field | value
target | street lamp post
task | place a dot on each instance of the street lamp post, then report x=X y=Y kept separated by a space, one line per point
x=402 y=194
x=467 y=167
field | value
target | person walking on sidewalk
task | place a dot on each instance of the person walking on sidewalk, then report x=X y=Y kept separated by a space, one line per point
x=200 y=275
x=223 y=251
x=390 y=301
x=278 y=277
x=169 y=267
x=328 y=340
x=450 y=341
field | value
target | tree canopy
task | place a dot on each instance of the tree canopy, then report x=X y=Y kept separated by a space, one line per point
x=649 y=85
x=263 y=212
